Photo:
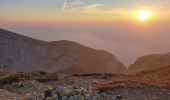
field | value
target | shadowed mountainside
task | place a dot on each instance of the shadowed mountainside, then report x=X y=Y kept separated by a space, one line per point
x=150 y=62
x=27 y=54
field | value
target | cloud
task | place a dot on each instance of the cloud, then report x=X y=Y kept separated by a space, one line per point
x=81 y=7
x=93 y=8
x=68 y=4
x=64 y=5
x=167 y=1
x=88 y=9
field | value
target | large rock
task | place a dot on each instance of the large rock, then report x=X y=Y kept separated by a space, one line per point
x=28 y=54
x=150 y=62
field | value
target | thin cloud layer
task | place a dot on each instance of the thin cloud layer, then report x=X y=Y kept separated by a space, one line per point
x=84 y=7
x=94 y=8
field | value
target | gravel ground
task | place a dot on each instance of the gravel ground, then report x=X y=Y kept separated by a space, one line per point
x=68 y=87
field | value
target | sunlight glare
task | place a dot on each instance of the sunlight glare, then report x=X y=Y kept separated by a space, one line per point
x=143 y=14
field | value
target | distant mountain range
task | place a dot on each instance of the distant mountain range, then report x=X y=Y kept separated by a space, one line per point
x=23 y=53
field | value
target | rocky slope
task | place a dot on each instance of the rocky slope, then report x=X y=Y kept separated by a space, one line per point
x=159 y=77
x=81 y=70
x=153 y=85
x=150 y=62
x=27 y=54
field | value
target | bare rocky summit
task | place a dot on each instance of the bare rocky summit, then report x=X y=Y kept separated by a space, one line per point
x=154 y=85
x=150 y=62
x=23 y=53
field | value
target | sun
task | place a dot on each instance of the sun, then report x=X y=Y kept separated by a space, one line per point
x=143 y=15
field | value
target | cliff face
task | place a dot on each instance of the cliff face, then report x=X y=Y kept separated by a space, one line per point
x=28 y=54
x=150 y=62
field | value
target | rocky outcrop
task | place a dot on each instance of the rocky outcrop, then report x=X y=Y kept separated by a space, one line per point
x=150 y=62
x=27 y=54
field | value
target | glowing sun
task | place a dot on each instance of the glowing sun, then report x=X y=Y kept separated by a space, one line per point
x=143 y=15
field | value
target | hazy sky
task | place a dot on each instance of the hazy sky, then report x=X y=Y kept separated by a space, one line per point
x=101 y=24
x=31 y=11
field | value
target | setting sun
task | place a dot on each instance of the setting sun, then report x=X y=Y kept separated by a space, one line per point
x=143 y=14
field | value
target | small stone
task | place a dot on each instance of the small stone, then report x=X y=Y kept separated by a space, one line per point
x=55 y=97
x=114 y=98
x=64 y=98
x=109 y=92
x=87 y=96
x=30 y=98
x=104 y=95
x=71 y=98
x=78 y=97
x=118 y=97
x=48 y=93
x=96 y=96
x=63 y=91
x=154 y=98
x=49 y=98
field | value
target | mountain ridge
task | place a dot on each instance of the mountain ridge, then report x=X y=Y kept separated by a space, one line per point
x=27 y=54
x=150 y=62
